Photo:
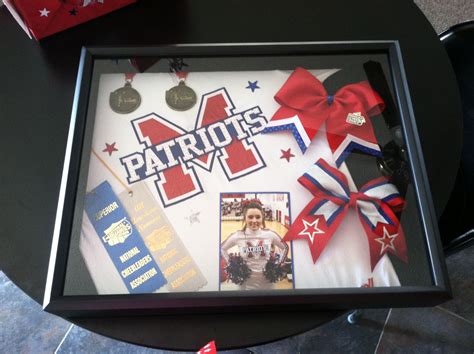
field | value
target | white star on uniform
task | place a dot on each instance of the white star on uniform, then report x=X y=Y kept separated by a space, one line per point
x=315 y=231
x=44 y=12
x=386 y=241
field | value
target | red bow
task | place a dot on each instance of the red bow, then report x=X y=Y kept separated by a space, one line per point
x=375 y=204
x=306 y=105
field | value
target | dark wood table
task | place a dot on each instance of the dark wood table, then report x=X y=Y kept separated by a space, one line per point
x=36 y=96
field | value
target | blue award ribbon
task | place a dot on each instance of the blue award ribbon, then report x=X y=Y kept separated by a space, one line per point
x=121 y=239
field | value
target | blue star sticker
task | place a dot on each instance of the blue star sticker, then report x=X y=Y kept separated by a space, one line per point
x=253 y=86
x=73 y=12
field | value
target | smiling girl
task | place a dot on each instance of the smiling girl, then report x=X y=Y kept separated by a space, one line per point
x=255 y=245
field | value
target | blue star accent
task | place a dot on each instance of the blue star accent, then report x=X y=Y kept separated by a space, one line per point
x=253 y=86
x=73 y=12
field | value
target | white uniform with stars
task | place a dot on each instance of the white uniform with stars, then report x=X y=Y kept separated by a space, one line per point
x=345 y=262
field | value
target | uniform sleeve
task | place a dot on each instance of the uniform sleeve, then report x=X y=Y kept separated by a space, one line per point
x=282 y=246
x=227 y=244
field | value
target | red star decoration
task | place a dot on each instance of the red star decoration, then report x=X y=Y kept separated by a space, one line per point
x=286 y=154
x=110 y=148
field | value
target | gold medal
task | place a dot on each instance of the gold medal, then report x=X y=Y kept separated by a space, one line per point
x=125 y=99
x=181 y=97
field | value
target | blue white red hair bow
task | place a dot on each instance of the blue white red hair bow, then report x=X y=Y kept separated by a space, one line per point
x=305 y=106
x=375 y=203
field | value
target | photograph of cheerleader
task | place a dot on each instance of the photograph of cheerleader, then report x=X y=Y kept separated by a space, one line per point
x=253 y=254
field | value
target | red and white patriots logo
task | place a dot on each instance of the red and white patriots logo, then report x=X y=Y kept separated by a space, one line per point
x=171 y=153
x=255 y=249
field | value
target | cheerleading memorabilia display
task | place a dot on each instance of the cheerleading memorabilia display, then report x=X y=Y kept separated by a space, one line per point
x=211 y=183
x=43 y=18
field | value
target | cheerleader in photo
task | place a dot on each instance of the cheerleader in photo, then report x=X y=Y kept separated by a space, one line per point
x=256 y=246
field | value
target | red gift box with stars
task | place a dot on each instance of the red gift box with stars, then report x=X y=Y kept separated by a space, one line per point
x=42 y=18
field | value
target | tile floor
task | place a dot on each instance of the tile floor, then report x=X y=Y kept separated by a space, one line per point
x=448 y=328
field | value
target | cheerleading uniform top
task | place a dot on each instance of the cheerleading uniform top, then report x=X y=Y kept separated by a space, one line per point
x=190 y=201
x=255 y=247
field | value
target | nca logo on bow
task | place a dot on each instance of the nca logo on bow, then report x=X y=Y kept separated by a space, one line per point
x=170 y=152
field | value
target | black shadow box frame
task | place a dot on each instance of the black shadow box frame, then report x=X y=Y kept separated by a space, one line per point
x=297 y=299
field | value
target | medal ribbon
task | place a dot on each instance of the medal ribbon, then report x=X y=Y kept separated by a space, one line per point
x=306 y=105
x=118 y=234
x=182 y=75
x=151 y=224
x=375 y=203
x=129 y=76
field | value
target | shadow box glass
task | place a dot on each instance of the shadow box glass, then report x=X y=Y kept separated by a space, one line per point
x=243 y=177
